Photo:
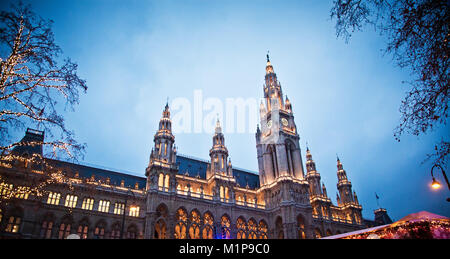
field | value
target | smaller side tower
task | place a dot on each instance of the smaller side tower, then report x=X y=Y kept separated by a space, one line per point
x=162 y=169
x=219 y=173
x=318 y=194
x=347 y=200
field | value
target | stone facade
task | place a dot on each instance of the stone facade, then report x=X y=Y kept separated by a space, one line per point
x=184 y=197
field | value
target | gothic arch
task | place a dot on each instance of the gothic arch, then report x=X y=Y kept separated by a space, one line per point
x=195 y=219
x=208 y=225
x=262 y=229
x=290 y=148
x=181 y=218
x=162 y=211
x=301 y=227
x=279 y=232
x=14 y=219
x=47 y=225
x=115 y=230
x=241 y=227
x=65 y=226
x=252 y=227
x=271 y=149
x=317 y=233
x=160 y=229
x=225 y=225
x=132 y=231
x=100 y=229
x=83 y=228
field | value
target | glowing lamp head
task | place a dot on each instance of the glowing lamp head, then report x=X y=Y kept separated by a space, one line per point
x=435 y=184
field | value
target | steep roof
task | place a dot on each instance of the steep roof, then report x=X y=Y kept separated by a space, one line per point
x=31 y=135
x=192 y=166
x=85 y=171
x=197 y=167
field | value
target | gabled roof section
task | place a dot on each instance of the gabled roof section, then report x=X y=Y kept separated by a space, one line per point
x=195 y=167
x=31 y=136
x=99 y=174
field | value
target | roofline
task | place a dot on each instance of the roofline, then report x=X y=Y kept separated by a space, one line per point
x=207 y=161
x=98 y=167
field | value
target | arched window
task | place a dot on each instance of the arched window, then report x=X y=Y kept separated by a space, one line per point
x=103 y=206
x=53 y=198
x=301 y=227
x=208 y=220
x=222 y=194
x=115 y=231
x=194 y=229
x=14 y=220
x=161 y=211
x=225 y=224
x=166 y=183
x=71 y=201
x=241 y=228
x=132 y=232
x=180 y=228
x=318 y=233
x=161 y=181
x=160 y=229
x=88 y=203
x=47 y=227
x=290 y=148
x=83 y=229
x=5 y=189
x=279 y=228
x=262 y=228
x=273 y=161
x=65 y=227
x=119 y=208
x=99 y=231
x=252 y=229
x=13 y=225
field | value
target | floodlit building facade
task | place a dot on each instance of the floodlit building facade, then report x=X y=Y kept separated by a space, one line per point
x=183 y=197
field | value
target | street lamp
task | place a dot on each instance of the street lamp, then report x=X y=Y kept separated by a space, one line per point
x=435 y=184
x=125 y=210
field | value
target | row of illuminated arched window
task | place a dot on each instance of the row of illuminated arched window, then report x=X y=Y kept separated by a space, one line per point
x=100 y=231
x=88 y=204
x=66 y=227
x=194 y=226
x=20 y=192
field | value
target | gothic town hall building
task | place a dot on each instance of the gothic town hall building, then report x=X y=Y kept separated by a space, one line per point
x=183 y=197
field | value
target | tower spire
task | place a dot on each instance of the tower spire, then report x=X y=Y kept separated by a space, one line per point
x=219 y=154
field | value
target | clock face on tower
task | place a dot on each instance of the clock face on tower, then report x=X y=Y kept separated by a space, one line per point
x=269 y=124
x=284 y=122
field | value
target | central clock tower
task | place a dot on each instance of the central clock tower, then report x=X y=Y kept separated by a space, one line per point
x=277 y=141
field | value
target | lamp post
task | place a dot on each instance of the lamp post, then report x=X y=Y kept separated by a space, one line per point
x=435 y=184
x=124 y=212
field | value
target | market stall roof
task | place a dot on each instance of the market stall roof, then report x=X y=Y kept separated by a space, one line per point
x=355 y=232
x=422 y=215
x=414 y=217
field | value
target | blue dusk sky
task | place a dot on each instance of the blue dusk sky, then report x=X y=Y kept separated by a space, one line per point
x=345 y=96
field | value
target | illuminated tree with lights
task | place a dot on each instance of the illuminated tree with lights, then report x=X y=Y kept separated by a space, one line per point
x=417 y=36
x=35 y=85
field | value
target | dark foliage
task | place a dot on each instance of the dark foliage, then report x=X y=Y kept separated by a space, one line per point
x=417 y=34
